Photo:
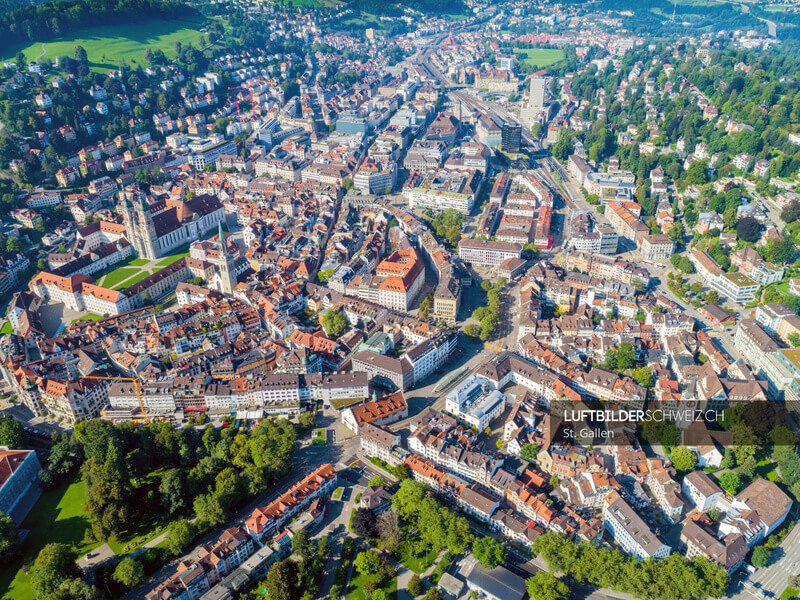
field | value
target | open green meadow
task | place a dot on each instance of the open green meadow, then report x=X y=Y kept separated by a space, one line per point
x=56 y=517
x=107 y=46
x=539 y=57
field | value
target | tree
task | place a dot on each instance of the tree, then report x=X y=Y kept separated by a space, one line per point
x=791 y=211
x=730 y=482
x=490 y=552
x=554 y=481
x=306 y=419
x=529 y=452
x=129 y=572
x=79 y=54
x=712 y=297
x=388 y=526
x=347 y=183
x=761 y=556
x=683 y=459
x=335 y=323
x=12 y=434
x=364 y=523
x=729 y=217
x=408 y=498
x=644 y=377
x=780 y=251
x=545 y=586
x=425 y=308
x=472 y=330
x=180 y=533
x=676 y=232
x=9 y=537
x=301 y=545
x=433 y=594
x=369 y=562
x=324 y=275
x=415 y=586
x=280 y=581
x=76 y=589
x=794 y=339
x=748 y=229
x=625 y=355
x=209 y=509
x=697 y=173
x=377 y=481
x=173 y=491
x=54 y=565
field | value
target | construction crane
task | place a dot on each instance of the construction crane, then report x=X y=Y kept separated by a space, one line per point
x=135 y=387
x=249 y=88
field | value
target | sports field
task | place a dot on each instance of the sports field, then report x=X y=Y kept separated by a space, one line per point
x=107 y=46
x=539 y=57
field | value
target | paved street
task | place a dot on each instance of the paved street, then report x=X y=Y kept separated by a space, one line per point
x=773 y=578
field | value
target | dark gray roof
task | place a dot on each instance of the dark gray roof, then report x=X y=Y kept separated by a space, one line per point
x=498 y=582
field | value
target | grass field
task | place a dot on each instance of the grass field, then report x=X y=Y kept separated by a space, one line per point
x=135 y=279
x=6 y=328
x=165 y=262
x=131 y=271
x=89 y=317
x=539 y=57
x=118 y=275
x=56 y=517
x=107 y=46
x=356 y=589
x=413 y=560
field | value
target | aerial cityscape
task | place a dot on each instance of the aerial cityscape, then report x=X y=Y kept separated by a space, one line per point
x=349 y=300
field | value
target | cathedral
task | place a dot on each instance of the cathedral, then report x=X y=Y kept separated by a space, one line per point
x=156 y=226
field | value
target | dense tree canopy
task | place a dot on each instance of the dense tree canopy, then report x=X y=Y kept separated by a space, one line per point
x=674 y=578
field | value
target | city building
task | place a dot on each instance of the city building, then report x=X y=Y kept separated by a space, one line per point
x=630 y=531
x=487 y=253
x=384 y=411
x=511 y=141
x=658 y=247
x=475 y=402
x=738 y=287
x=266 y=520
x=19 y=471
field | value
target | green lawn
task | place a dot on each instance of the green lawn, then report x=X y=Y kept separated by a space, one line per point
x=56 y=517
x=89 y=317
x=135 y=538
x=117 y=276
x=413 y=560
x=165 y=262
x=138 y=262
x=766 y=468
x=788 y=594
x=540 y=57
x=135 y=279
x=107 y=46
x=356 y=589
x=6 y=328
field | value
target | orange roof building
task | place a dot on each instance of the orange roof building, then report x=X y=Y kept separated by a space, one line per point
x=266 y=520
